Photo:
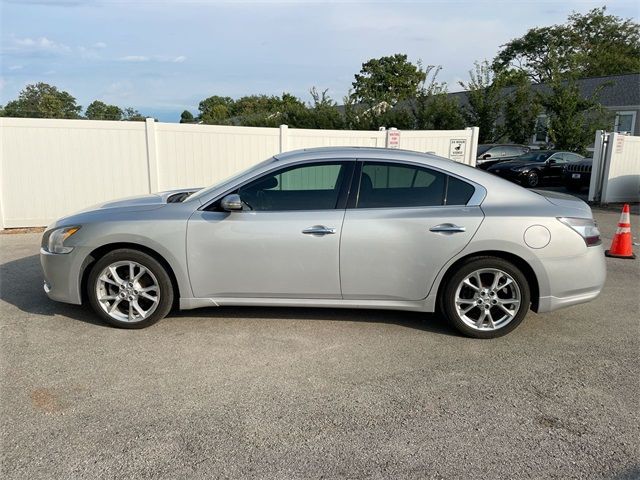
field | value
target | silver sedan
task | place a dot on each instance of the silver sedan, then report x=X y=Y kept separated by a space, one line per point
x=333 y=227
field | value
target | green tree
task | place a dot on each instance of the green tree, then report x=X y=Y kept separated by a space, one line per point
x=132 y=115
x=484 y=101
x=41 y=100
x=521 y=110
x=324 y=111
x=433 y=108
x=360 y=116
x=593 y=44
x=98 y=110
x=573 y=119
x=187 y=117
x=216 y=110
x=387 y=79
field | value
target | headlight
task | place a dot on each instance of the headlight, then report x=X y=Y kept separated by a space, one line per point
x=55 y=242
x=522 y=169
x=585 y=227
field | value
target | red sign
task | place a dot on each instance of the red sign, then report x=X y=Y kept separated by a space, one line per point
x=393 y=138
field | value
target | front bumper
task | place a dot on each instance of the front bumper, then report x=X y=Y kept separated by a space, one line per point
x=511 y=175
x=583 y=179
x=62 y=275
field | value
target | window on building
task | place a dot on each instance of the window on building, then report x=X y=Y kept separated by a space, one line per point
x=625 y=122
x=541 y=132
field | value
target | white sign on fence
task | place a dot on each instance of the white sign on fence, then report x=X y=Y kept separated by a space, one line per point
x=458 y=149
x=393 y=138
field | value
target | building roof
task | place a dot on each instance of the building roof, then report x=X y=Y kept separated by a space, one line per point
x=619 y=90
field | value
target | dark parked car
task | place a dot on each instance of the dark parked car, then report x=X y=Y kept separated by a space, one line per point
x=577 y=175
x=535 y=168
x=492 y=151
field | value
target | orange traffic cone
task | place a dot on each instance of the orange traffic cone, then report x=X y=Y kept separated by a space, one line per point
x=621 y=245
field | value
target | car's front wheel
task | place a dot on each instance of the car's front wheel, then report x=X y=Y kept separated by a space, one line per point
x=487 y=297
x=129 y=289
x=532 y=179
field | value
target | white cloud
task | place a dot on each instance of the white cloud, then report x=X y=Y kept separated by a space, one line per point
x=99 y=45
x=39 y=44
x=15 y=67
x=154 y=58
x=3 y=83
x=134 y=58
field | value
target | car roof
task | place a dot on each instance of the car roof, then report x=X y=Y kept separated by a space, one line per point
x=392 y=154
x=502 y=145
x=369 y=153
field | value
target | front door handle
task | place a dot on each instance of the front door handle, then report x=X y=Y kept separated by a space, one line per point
x=447 y=228
x=319 y=230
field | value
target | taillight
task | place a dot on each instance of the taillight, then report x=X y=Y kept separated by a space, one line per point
x=585 y=227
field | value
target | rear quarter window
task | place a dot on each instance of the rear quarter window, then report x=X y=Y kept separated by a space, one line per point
x=458 y=192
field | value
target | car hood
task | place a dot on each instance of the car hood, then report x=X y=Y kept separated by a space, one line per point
x=573 y=206
x=138 y=203
x=515 y=164
x=143 y=202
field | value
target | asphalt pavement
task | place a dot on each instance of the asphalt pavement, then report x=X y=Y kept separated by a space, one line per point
x=316 y=393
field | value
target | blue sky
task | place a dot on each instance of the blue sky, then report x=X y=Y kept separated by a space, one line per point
x=164 y=56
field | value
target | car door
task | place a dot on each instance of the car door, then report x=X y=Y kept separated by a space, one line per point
x=283 y=244
x=554 y=167
x=404 y=224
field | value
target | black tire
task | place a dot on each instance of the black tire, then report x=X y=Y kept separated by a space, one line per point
x=533 y=179
x=448 y=296
x=165 y=293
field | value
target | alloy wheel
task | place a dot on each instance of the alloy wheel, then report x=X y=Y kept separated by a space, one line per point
x=127 y=291
x=487 y=299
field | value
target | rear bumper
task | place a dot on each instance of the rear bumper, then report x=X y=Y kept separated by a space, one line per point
x=574 y=280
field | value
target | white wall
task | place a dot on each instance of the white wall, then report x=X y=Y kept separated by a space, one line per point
x=615 y=174
x=51 y=168
x=622 y=171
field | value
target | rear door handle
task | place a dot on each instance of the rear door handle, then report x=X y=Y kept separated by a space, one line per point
x=447 y=228
x=319 y=230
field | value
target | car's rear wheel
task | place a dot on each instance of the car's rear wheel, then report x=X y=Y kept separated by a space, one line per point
x=533 y=179
x=129 y=289
x=487 y=297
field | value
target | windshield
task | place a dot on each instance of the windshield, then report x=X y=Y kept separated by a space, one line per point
x=535 y=156
x=205 y=191
x=483 y=148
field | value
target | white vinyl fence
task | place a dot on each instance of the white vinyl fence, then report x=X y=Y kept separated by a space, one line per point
x=50 y=168
x=615 y=173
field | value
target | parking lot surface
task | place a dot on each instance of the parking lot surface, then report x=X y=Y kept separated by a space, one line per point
x=313 y=393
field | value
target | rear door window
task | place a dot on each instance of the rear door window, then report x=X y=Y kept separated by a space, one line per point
x=392 y=185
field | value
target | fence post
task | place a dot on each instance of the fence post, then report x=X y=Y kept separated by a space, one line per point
x=152 y=154
x=605 y=168
x=595 y=186
x=1 y=189
x=284 y=138
x=473 y=147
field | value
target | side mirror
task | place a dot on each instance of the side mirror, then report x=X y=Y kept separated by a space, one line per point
x=551 y=161
x=486 y=155
x=231 y=203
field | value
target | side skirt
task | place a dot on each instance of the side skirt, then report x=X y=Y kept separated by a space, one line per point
x=426 y=305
